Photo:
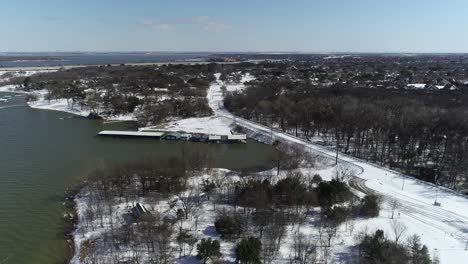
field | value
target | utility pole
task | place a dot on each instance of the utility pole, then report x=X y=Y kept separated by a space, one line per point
x=336 y=159
x=403 y=185
x=337 y=145
x=271 y=132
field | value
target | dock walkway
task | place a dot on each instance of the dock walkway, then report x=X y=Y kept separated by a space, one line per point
x=113 y=133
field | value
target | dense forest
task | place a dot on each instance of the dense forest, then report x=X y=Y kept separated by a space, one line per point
x=420 y=133
x=368 y=108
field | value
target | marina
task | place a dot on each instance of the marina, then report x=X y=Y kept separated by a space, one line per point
x=182 y=136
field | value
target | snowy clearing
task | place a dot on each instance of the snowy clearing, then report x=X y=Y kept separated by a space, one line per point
x=231 y=87
x=213 y=125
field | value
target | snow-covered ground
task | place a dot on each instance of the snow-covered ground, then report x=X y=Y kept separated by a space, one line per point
x=231 y=87
x=216 y=125
x=12 y=89
x=19 y=74
x=200 y=222
x=443 y=229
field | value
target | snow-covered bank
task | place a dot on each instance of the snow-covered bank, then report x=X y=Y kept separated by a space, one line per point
x=12 y=89
x=6 y=76
x=62 y=105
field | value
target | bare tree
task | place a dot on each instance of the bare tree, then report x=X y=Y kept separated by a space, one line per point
x=272 y=237
x=351 y=226
x=261 y=219
x=305 y=249
x=190 y=202
x=163 y=243
x=148 y=231
x=331 y=231
x=343 y=173
x=89 y=217
x=394 y=205
x=184 y=239
x=398 y=229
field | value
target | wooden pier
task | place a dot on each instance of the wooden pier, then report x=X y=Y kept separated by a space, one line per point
x=170 y=135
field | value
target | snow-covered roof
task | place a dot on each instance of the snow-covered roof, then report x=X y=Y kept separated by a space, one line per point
x=237 y=137
x=417 y=85
x=130 y=133
x=160 y=89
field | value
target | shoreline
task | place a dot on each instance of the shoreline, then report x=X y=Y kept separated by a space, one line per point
x=71 y=220
x=68 y=67
x=60 y=105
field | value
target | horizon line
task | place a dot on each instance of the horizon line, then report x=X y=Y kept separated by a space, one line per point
x=249 y=52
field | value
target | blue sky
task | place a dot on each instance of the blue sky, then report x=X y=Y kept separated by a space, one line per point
x=237 y=25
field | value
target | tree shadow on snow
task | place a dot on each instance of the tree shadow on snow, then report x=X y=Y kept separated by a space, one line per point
x=210 y=231
x=188 y=260
x=349 y=256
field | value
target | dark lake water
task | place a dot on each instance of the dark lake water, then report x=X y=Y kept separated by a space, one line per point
x=44 y=152
x=67 y=58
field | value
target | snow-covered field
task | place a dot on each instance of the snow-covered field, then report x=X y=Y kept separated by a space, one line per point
x=216 y=125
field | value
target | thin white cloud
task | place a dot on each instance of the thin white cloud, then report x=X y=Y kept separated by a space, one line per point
x=211 y=25
x=159 y=26
x=203 y=22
